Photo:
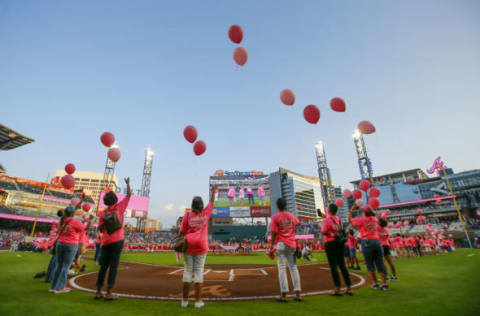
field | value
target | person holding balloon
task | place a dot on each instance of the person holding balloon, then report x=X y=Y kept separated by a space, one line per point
x=371 y=247
x=112 y=241
x=194 y=227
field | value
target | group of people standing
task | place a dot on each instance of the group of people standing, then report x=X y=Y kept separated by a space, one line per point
x=70 y=241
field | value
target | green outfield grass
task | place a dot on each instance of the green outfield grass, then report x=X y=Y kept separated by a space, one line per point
x=447 y=284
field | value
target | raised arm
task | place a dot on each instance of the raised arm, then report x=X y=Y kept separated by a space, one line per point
x=129 y=190
x=212 y=194
x=350 y=215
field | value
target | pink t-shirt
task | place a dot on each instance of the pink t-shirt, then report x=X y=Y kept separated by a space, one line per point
x=383 y=235
x=249 y=190
x=330 y=227
x=231 y=192
x=411 y=242
x=283 y=223
x=195 y=228
x=351 y=242
x=71 y=232
x=367 y=226
x=261 y=191
x=118 y=235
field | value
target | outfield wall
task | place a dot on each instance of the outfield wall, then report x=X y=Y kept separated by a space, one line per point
x=225 y=233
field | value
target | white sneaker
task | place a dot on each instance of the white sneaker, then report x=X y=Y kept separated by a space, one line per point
x=52 y=290
x=184 y=303
x=199 y=304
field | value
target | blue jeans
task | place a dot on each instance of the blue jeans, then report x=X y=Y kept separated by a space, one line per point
x=373 y=254
x=51 y=269
x=65 y=254
x=98 y=251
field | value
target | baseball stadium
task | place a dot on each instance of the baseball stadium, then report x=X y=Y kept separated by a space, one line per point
x=239 y=158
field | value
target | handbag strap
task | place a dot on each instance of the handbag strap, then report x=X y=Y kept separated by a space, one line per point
x=61 y=230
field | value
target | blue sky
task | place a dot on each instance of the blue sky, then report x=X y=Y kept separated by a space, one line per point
x=70 y=70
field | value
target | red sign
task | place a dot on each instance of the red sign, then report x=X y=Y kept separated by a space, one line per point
x=260 y=211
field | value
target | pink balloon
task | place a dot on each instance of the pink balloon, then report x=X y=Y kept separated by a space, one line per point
x=390 y=225
x=374 y=192
x=366 y=127
x=199 y=148
x=68 y=181
x=86 y=207
x=429 y=224
x=107 y=139
x=338 y=105
x=347 y=193
x=359 y=202
x=419 y=211
x=450 y=235
x=380 y=214
x=287 y=97
x=235 y=33
x=374 y=203
x=406 y=223
x=387 y=212
x=398 y=224
x=364 y=185
x=311 y=114
x=339 y=202
x=114 y=154
x=240 y=56
x=439 y=201
x=357 y=194
x=70 y=168
x=436 y=196
x=190 y=133
x=75 y=201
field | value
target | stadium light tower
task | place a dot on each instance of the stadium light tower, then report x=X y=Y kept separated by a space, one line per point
x=324 y=174
x=109 y=170
x=146 y=180
x=364 y=162
x=147 y=172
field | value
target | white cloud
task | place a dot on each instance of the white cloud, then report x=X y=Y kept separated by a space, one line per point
x=169 y=207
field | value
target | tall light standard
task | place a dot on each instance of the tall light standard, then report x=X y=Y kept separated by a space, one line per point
x=326 y=186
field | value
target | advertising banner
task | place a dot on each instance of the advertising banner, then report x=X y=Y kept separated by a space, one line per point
x=239 y=211
x=260 y=211
x=221 y=212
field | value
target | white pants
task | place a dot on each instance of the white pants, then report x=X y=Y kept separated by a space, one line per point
x=193 y=264
x=286 y=255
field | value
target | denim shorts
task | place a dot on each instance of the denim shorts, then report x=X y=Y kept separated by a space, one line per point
x=373 y=254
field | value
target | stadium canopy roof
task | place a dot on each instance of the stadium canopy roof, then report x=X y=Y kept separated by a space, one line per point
x=9 y=139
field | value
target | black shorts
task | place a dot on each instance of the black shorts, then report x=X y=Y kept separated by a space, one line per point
x=346 y=251
x=386 y=250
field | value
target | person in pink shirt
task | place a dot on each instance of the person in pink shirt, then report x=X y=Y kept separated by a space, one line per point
x=335 y=250
x=68 y=236
x=371 y=247
x=261 y=194
x=241 y=195
x=251 y=199
x=194 y=228
x=112 y=243
x=282 y=227
x=383 y=235
x=231 y=195
x=352 y=246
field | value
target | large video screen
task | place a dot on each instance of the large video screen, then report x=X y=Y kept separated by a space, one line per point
x=137 y=206
x=240 y=191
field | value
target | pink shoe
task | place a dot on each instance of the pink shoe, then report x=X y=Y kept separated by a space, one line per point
x=64 y=290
